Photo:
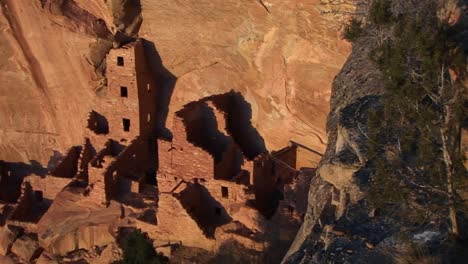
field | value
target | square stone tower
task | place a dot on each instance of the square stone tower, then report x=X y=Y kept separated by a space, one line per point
x=130 y=103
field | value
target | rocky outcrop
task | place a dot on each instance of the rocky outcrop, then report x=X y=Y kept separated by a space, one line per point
x=338 y=174
x=26 y=248
x=74 y=222
x=340 y=225
x=7 y=237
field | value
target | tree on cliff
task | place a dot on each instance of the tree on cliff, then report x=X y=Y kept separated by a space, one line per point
x=414 y=147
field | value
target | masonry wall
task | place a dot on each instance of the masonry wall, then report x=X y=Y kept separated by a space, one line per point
x=24 y=209
x=116 y=107
x=136 y=162
x=181 y=158
x=10 y=183
x=147 y=92
x=288 y=157
x=68 y=166
x=207 y=212
x=234 y=194
x=185 y=232
x=230 y=164
x=87 y=153
x=49 y=186
x=265 y=182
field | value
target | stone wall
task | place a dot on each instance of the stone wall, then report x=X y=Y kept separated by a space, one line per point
x=185 y=232
x=68 y=166
x=120 y=105
x=182 y=159
x=286 y=163
x=147 y=92
x=49 y=186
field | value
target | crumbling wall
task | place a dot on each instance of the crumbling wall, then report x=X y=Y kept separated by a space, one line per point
x=185 y=232
x=265 y=181
x=229 y=194
x=182 y=159
x=68 y=166
x=24 y=208
x=87 y=153
x=207 y=212
x=230 y=164
x=136 y=163
x=286 y=164
x=48 y=186
x=98 y=123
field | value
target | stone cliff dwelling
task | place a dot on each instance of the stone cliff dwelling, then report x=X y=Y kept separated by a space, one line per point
x=213 y=176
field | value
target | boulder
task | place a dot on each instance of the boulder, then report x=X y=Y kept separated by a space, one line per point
x=7 y=237
x=26 y=248
x=75 y=222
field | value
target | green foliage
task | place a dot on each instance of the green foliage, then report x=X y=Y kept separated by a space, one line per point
x=353 y=30
x=138 y=250
x=380 y=12
x=404 y=138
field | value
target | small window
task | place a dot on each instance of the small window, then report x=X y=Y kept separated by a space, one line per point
x=126 y=124
x=218 y=211
x=291 y=209
x=123 y=91
x=120 y=61
x=148 y=87
x=148 y=118
x=224 y=192
x=39 y=196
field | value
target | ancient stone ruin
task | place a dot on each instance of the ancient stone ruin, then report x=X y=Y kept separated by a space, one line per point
x=209 y=183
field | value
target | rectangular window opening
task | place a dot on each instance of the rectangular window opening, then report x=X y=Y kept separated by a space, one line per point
x=224 y=192
x=126 y=124
x=120 y=61
x=123 y=91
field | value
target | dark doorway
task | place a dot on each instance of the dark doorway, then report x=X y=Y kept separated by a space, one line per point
x=126 y=124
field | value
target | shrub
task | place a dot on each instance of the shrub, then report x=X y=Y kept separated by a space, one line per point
x=353 y=30
x=380 y=13
x=139 y=250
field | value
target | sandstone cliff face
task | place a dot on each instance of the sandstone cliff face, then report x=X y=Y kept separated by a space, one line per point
x=356 y=90
x=46 y=82
x=281 y=55
x=340 y=225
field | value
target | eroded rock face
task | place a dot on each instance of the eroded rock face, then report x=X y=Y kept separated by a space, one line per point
x=74 y=222
x=7 y=237
x=340 y=225
x=281 y=55
x=25 y=248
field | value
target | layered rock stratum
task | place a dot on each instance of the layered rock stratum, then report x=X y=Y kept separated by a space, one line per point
x=281 y=55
